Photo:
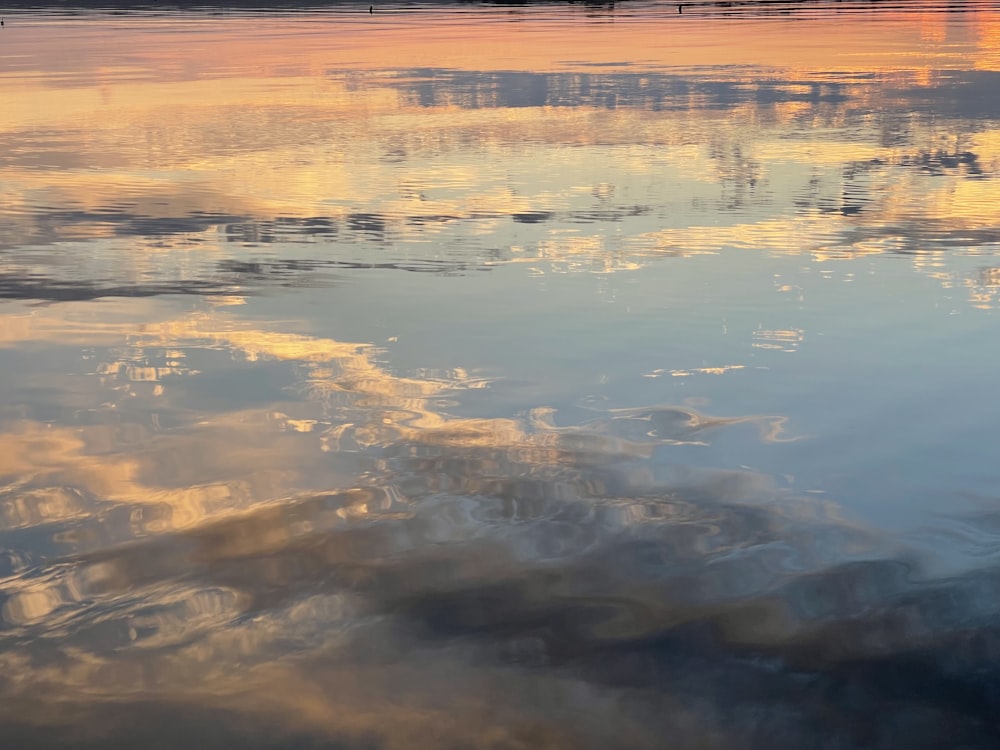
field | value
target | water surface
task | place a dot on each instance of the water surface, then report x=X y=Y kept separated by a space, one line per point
x=507 y=377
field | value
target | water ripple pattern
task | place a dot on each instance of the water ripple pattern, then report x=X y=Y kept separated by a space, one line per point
x=585 y=375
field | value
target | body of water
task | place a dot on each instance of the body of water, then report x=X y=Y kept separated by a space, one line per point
x=463 y=376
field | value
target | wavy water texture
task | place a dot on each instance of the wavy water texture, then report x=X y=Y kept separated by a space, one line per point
x=565 y=575
x=659 y=162
x=466 y=376
x=560 y=565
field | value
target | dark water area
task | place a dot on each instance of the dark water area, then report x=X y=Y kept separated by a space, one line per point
x=462 y=376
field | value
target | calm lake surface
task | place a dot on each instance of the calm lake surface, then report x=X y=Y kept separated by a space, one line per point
x=500 y=377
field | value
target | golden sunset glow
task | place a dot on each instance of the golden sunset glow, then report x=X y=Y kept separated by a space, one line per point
x=518 y=377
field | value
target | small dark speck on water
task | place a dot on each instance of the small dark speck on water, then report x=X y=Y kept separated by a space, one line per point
x=371 y=8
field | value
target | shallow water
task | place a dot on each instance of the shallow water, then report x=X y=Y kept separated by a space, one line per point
x=509 y=377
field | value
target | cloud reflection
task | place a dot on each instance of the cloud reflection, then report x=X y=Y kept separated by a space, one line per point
x=225 y=522
x=492 y=581
x=541 y=583
x=638 y=165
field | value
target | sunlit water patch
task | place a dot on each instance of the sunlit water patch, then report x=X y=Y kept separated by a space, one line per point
x=458 y=376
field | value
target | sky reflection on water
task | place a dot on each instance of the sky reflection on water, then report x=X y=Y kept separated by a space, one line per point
x=491 y=377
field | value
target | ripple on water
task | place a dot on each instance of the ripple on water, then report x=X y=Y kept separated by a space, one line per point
x=229 y=518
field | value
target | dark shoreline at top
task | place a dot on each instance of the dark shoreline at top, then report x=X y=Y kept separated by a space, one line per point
x=686 y=6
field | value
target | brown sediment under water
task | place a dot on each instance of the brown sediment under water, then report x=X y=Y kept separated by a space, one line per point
x=483 y=376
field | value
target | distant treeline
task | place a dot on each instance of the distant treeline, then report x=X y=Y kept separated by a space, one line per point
x=687 y=6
